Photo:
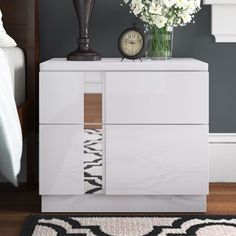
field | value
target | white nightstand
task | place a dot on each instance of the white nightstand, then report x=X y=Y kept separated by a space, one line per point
x=155 y=135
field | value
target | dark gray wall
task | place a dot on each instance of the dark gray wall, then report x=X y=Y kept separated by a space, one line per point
x=59 y=32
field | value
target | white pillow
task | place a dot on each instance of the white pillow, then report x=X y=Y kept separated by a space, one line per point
x=5 y=39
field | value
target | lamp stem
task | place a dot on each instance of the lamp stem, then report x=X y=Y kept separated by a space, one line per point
x=84 y=9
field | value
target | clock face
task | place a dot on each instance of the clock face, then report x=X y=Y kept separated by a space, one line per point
x=131 y=43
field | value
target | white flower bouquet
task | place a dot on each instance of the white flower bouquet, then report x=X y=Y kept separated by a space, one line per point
x=160 y=16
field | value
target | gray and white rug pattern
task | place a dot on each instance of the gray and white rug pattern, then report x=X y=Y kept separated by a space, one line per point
x=130 y=226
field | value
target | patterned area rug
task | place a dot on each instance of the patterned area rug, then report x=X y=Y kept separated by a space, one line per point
x=129 y=226
x=93 y=161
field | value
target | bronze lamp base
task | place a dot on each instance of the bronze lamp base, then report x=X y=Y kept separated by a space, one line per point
x=82 y=55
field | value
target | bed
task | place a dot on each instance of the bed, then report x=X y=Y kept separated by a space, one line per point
x=16 y=60
x=21 y=23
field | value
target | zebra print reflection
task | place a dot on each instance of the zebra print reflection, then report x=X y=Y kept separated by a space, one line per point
x=93 y=161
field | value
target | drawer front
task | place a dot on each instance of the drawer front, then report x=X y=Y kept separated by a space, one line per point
x=61 y=160
x=157 y=160
x=156 y=98
x=61 y=98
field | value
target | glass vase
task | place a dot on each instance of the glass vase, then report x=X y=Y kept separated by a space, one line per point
x=159 y=43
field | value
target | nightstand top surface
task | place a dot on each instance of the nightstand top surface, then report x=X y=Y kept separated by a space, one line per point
x=115 y=64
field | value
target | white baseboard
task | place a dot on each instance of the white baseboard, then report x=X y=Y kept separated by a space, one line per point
x=92 y=87
x=222 y=157
x=93 y=82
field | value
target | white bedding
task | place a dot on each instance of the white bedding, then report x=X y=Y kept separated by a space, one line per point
x=10 y=129
x=16 y=61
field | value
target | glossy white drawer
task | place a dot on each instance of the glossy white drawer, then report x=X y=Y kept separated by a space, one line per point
x=156 y=159
x=61 y=98
x=61 y=159
x=156 y=98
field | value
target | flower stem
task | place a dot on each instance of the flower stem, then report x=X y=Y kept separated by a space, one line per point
x=160 y=43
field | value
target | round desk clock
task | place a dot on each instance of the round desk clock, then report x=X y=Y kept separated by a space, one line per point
x=131 y=43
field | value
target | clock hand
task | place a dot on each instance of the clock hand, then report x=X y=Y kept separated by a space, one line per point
x=132 y=42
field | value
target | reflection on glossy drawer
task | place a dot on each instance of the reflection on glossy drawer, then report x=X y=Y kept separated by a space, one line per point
x=156 y=98
x=156 y=160
x=61 y=160
x=61 y=98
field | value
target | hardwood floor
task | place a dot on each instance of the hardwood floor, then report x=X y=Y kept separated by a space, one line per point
x=93 y=111
x=17 y=204
x=222 y=199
